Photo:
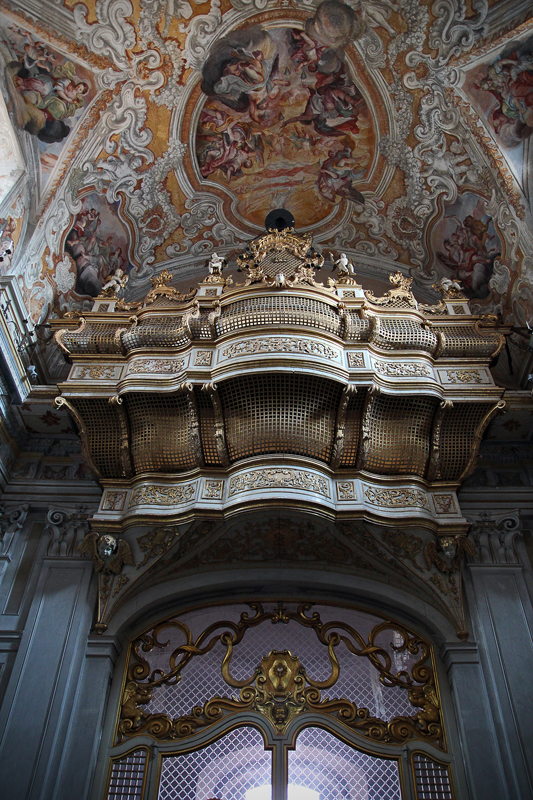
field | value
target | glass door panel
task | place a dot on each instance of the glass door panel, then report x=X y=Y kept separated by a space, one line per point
x=230 y=768
x=324 y=768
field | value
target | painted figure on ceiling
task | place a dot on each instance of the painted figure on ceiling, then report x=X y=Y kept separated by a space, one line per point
x=470 y=250
x=95 y=255
x=281 y=105
x=510 y=80
x=44 y=90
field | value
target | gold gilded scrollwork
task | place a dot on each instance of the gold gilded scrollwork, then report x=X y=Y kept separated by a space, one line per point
x=399 y=297
x=280 y=688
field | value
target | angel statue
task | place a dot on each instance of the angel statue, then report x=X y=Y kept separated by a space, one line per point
x=107 y=554
x=343 y=265
x=116 y=282
x=216 y=264
x=446 y=284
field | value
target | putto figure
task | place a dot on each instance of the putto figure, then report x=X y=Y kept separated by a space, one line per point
x=216 y=264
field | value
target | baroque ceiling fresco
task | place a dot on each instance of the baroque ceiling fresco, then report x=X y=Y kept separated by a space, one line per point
x=145 y=135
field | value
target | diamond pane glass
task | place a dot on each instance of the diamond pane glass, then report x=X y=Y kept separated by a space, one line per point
x=432 y=780
x=127 y=775
x=227 y=769
x=336 y=771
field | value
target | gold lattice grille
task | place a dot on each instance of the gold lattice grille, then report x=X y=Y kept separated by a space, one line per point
x=359 y=329
x=457 y=438
x=460 y=341
x=96 y=337
x=283 y=261
x=352 y=429
x=103 y=433
x=155 y=332
x=280 y=414
x=279 y=310
x=405 y=334
x=160 y=432
x=399 y=433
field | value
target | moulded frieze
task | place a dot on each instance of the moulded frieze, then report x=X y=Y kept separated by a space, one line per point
x=395 y=498
x=466 y=376
x=97 y=372
x=394 y=369
x=282 y=478
x=280 y=344
x=164 y=495
x=158 y=366
x=262 y=485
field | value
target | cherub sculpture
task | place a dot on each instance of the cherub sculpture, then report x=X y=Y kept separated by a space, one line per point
x=450 y=288
x=343 y=265
x=216 y=264
x=447 y=553
x=107 y=554
x=116 y=282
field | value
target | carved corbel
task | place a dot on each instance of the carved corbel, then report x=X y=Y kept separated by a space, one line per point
x=125 y=453
x=490 y=321
x=59 y=402
x=109 y=556
x=434 y=456
x=117 y=338
x=441 y=341
x=472 y=463
x=220 y=433
x=338 y=447
x=366 y=416
x=11 y=522
x=375 y=327
x=213 y=317
x=193 y=313
x=194 y=424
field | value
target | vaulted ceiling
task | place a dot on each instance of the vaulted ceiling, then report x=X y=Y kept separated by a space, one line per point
x=146 y=134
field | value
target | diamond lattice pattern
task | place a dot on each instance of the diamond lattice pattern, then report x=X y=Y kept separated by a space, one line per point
x=338 y=772
x=225 y=770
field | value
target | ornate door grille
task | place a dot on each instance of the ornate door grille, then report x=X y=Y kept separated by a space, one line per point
x=310 y=708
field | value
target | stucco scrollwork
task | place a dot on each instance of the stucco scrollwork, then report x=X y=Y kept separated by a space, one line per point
x=464 y=376
x=279 y=478
x=164 y=495
x=279 y=344
x=396 y=498
x=394 y=370
x=157 y=366
x=280 y=687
